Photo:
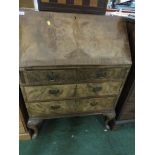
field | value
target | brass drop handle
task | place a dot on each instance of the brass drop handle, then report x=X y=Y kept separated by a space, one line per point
x=93 y=103
x=54 y=91
x=100 y=74
x=97 y=89
x=54 y=107
x=51 y=77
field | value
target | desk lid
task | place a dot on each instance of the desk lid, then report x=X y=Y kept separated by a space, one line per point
x=53 y=39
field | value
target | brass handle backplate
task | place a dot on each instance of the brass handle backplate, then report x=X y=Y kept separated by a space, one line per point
x=55 y=92
x=93 y=103
x=97 y=89
x=54 y=107
x=51 y=77
x=100 y=74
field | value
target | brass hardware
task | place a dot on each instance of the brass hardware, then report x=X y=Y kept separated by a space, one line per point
x=51 y=77
x=97 y=89
x=100 y=74
x=54 y=107
x=93 y=103
x=54 y=91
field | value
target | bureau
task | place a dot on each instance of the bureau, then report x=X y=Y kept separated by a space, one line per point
x=71 y=64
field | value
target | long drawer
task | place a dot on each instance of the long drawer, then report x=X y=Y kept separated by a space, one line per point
x=59 y=92
x=54 y=108
x=41 y=77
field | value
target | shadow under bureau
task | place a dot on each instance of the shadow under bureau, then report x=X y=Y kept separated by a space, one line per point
x=71 y=64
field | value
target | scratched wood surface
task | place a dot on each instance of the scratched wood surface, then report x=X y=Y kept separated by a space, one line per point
x=49 y=39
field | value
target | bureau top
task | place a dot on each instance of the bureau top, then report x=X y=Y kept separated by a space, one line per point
x=51 y=39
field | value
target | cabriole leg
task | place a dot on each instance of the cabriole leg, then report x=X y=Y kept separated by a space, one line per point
x=110 y=120
x=33 y=124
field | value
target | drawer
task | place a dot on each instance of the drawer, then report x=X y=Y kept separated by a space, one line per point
x=53 y=92
x=52 y=108
x=57 y=108
x=98 y=89
x=36 y=77
x=95 y=104
x=101 y=73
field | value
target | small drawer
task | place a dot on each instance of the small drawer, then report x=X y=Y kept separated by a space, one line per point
x=98 y=89
x=36 y=77
x=53 y=92
x=52 y=108
x=95 y=104
x=101 y=74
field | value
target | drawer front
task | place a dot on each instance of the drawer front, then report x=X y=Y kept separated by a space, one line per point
x=101 y=74
x=50 y=76
x=98 y=89
x=56 y=108
x=53 y=92
x=21 y=129
x=95 y=104
x=52 y=108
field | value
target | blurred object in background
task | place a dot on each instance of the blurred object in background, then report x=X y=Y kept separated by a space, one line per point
x=124 y=8
x=26 y=4
x=122 y=4
x=128 y=108
x=77 y=6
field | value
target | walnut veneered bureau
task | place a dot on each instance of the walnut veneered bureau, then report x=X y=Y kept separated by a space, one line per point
x=71 y=64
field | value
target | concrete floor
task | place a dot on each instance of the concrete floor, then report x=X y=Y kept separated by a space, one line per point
x=80 y=136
